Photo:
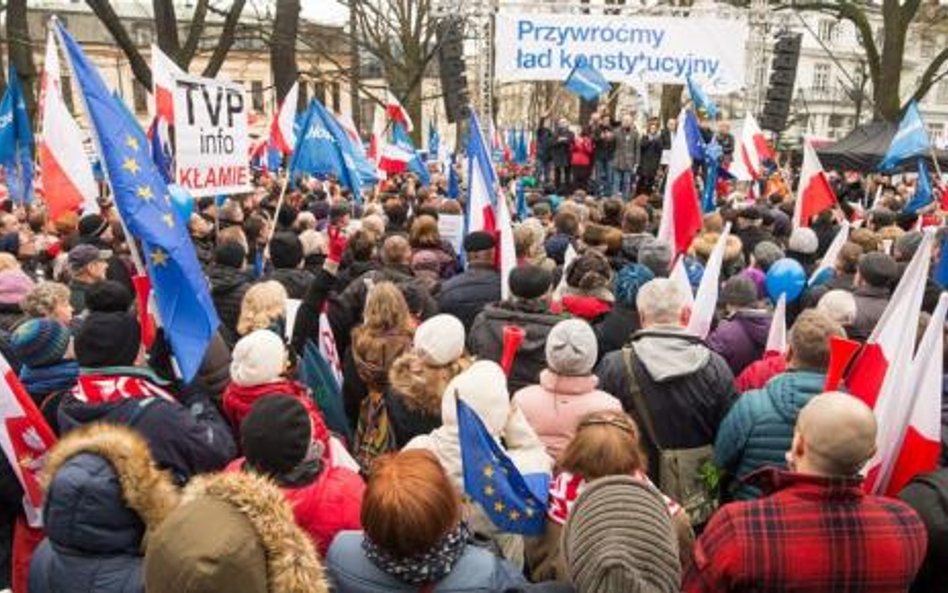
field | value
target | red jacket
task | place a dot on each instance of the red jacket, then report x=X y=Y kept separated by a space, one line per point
x=237 y=401
x=756 y=375
x=582 y=151
x=812 y=535
x=330 y=504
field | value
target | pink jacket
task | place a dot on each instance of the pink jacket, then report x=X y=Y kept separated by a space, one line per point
x=555 y=406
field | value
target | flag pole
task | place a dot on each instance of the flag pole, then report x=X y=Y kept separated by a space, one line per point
x=276 y=213
x=931 y=151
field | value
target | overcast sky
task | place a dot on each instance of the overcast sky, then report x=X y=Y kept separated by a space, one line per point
x=324 y=11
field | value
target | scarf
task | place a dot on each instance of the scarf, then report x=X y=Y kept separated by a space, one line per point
x=113 y=384
x=49 y=379
x=423 y=568
x=566 y=488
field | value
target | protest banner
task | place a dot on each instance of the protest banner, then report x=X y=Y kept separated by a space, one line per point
x=211 y=136
x=451 y=229
x=659 y=50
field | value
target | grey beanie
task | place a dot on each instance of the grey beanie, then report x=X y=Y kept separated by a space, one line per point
x=619 y=539
x=739 y=291
x=766 y=253
x=656 y=255
x=571 y=348
x=803 y=240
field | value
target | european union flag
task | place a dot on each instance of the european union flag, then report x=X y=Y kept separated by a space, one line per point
x=700 y=98
x=523 y=212
x=141 y=195
x=16 y=141
x=522 y=153
x=941 y=272
x=693 y=137
x=514 y=503
x=434 y=142
x=923 y=190
x=712 y=158
x=454 y=186
x=910 y=140
x=321 y=149
x=415 y=165
x=586 y=81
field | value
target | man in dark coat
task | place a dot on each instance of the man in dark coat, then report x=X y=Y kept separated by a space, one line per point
x=465 y=295
x=286 y=255
x=528 y=309
x=875 y=276
x=229 y=281
x=561 y=149
x=626 y=157
x=928 y=495
x=651 y=147
x=544 y=151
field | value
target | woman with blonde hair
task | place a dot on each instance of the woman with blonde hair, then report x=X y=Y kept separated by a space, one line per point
x=49 y=300
x=431 y=261
x=606 y=444
x=385 y=334
x=263 y=307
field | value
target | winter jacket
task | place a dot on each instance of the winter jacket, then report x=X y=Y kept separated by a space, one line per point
x=239 y=399
x=187 y=437
x=758 y=430
x=476 y=571
x=615 y=328
x=561 y=147
x=104 y=496
x=750 y=236
x=650 y=151
x=48 y=385
x=581 y=152
x=759 y=372
x=295 y=280
x=465 y=295
x=741 y=338
x=589 y=308
x=329 y=504
x=352 y=271
x=413 y=397
x=486 y=338
x=626 y=156
x=838 y=282
x=871 y=302
x=431 y=266
x=557 y=403
x=928 y=495
x=228 y=286
x=604 y=143
x=687 y=387
x=544 y=144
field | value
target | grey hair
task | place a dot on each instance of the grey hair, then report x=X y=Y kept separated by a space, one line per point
x=838 y=305
x=660 y=301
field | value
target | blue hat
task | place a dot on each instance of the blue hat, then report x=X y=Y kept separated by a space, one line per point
x=628 y=282
x=40 y=342
x=695 y=271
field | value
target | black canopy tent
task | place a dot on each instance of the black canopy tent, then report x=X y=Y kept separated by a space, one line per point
x=863 y=148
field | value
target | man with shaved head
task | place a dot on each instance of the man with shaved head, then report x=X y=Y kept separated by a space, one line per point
x=817 y=530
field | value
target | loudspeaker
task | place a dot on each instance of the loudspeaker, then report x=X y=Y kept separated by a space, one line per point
x=452 y=68
x=783 y=74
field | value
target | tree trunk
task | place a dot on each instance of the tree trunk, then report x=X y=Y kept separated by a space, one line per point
x=671 y=101
x=888 y=105
x=166 y=30
x=355 y=68
x=108 y=17
x=283 y=46
x=21 y=54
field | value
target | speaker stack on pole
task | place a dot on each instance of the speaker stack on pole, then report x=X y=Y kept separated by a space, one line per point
x=457 y=101
x=783 y=73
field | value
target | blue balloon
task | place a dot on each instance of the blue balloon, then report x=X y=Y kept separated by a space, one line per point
x=181 y=202
x=785 y=276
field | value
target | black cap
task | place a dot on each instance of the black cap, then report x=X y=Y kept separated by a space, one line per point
x=92 y=225
x=878 y=269
x=276 y=434
x=230 y=254
x=750 y=213
x=479 y=241
x=529 y=282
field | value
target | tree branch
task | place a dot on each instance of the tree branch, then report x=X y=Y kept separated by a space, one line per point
x=855 y=14
x=929 y=77
x=107 y=16
x=166 y=29
x=226 y=39
x=194 y=33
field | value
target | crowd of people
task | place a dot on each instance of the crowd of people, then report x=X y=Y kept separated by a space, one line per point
x=676 y=463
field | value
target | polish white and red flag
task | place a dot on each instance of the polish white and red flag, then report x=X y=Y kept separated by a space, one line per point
x=25 y=438
x=681 y=208
x=281 y=128
x=885 y=376
x=706 y=298
x=814 y=193
x=777 y=335
x=65 y=171
x=163 y=73
x=396 y=113
x=751 y=152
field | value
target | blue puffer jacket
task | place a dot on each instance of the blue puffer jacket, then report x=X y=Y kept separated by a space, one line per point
x=94 y=527
x=758 y=429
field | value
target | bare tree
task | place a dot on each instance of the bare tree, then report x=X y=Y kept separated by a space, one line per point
x=283 y=46
x=21 y=52
x=167 y=32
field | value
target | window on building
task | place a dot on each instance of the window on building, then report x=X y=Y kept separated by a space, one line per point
x=302 y=100
x=256 y=94
x=142 y=34
x=837 y=120
x=139 y=97
x=821 y=77
x=336 y=97
x=826 y=30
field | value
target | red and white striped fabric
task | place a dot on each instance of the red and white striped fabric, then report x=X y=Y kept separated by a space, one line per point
x=832 y=252
x=751 y=151
x=507 y=252
x=163 y=72
x=327 y=345
x=777 y=336
x=395 y=112
x=65 y=171
x=281 y=129
x=679 y=275
x=25 y=438
x=883 y=373
x=814 y=193
x=706 y=299
x=681 y=208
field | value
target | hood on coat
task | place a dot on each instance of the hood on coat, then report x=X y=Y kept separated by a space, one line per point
x=104 y=492
x=631 y=243
x=225 y=279
x=252 y=504
x=420 y=386
x=669 y=353
x=756 y=324
x=564 y=385
x=790 y=391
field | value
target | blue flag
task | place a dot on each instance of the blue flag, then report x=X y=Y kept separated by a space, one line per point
x=712 y=159
x=909 y=141
x=160 y=145
x=941 y=272
x=700 y=99
x=522 y=153
x=415 y=165
x=586 y=81
x=454 y=186
x=321 y=149
x=184 y=304
x=523 y=212
x=16 y=141
x=693 y=136
x=434 y=142
x=354 y=155
x=315 y=373
x=923 y=190
x=513 y=502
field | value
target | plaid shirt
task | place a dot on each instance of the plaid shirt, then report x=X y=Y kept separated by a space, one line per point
x=812 y=535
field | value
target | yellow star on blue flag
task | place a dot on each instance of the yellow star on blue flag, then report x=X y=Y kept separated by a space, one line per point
x=181 y=292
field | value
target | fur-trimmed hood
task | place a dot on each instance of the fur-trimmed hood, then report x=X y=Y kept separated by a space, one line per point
x=229 y=529
x=420 y=385
x=104 y=492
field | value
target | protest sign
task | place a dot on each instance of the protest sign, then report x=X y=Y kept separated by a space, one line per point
x=660 y=50
x=451 y=229
x=211 y=136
